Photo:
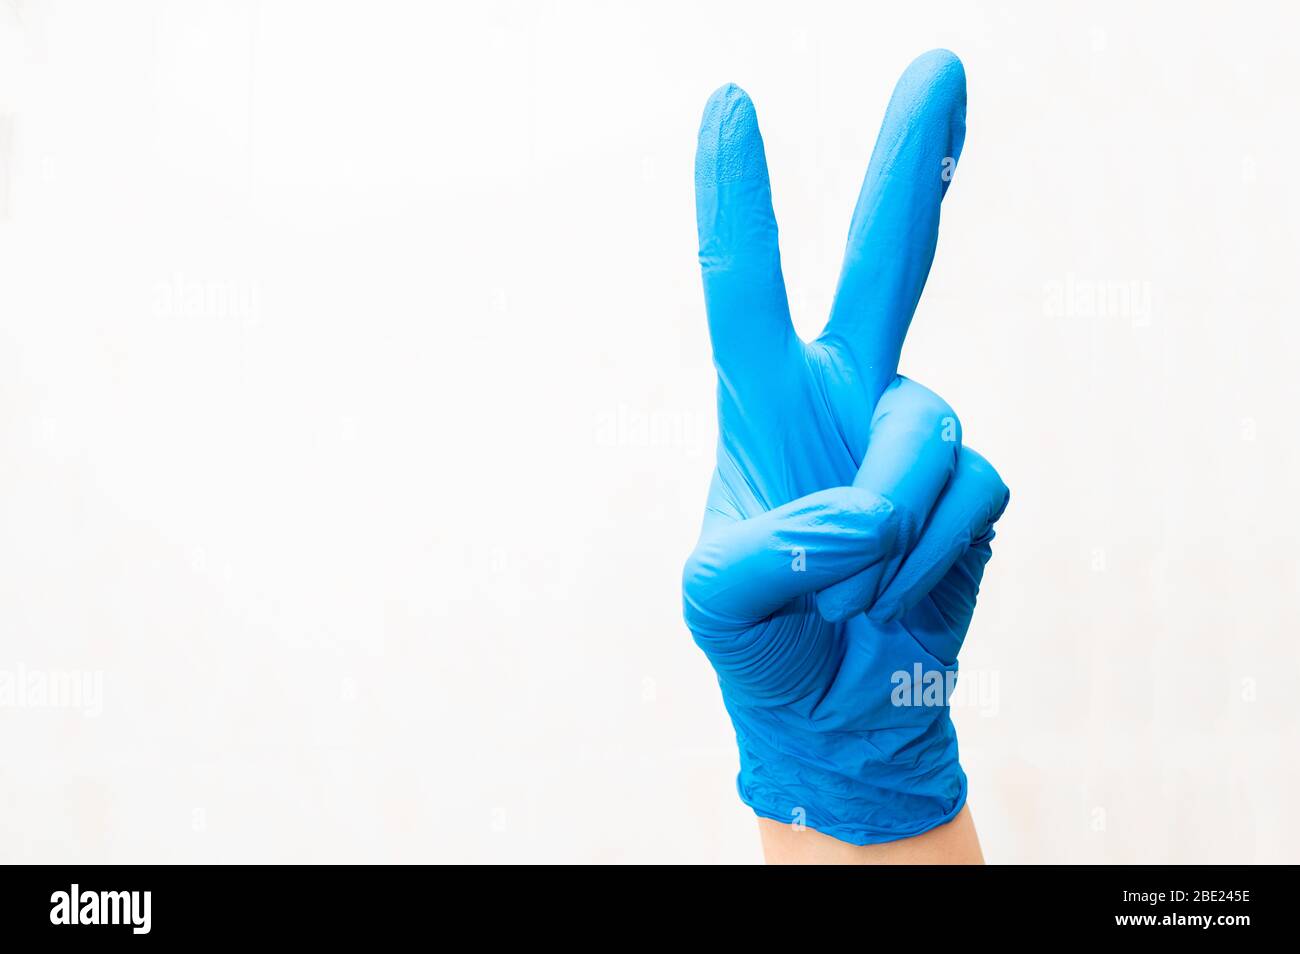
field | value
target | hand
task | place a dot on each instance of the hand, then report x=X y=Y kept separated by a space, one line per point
x=847 y=529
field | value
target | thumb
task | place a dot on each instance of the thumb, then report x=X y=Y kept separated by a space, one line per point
x=743 y=571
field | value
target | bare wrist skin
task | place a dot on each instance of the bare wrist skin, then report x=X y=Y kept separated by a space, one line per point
x=955 y=843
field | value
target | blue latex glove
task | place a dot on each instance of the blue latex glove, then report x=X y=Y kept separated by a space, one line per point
x=847 y=529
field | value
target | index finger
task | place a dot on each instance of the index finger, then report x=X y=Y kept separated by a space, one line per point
x=749 y=315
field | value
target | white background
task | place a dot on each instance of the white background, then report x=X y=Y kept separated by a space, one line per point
x=356 y=416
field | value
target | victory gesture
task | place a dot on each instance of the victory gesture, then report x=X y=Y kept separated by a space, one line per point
x=847 y=528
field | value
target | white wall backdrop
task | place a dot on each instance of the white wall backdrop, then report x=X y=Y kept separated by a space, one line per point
x=356 y=416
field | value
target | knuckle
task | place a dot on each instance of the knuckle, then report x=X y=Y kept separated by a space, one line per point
x=987 y=474
x=694 y=572
x=924 y=409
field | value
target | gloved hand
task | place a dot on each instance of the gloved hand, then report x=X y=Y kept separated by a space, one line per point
x=846 y=529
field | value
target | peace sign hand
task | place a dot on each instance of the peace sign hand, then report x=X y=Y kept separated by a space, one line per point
x=846 y=529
